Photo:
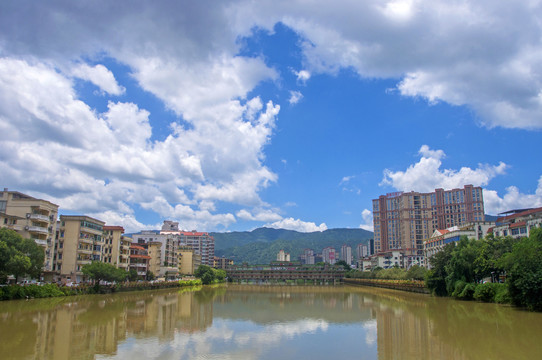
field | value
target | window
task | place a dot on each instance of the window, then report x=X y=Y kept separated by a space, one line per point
x=3 y=205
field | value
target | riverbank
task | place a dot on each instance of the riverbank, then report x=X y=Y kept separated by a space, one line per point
x=14 y=292
x=416 y=286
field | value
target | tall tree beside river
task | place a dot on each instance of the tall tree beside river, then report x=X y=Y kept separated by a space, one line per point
x=19 y=256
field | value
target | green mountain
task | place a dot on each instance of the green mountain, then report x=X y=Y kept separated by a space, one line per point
x=261 y=246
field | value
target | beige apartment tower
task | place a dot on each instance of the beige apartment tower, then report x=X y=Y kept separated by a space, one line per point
x=80 y=241
x=32 y=218
x=116 y=249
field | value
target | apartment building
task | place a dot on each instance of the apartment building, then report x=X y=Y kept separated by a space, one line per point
x=189 y=261
x=329 y=255
x=32 y=218
x=283 y=256
x=308 y=257
x=169 y=243
x=116 y=248
x=222 y=262
x=154 y=250
x=346 y=254
x=139 y=261
x=80 y=241
x=518 y=223
x=403 y=220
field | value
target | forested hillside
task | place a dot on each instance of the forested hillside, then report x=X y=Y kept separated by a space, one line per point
x=261 y=246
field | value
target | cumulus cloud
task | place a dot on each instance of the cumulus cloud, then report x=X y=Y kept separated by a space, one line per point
x=297 y=225
x=302 y=76
x=367 y=217
x=512 y=199
x=264 y=215
x=295 y=97
x=426 y=175
x=485 y=55
x=100 y=76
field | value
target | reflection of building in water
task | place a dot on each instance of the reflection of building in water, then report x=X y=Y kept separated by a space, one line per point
x=193 y=315
x=86 y=327
x=404 y=335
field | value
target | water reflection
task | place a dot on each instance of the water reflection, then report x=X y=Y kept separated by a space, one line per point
x=251 y=322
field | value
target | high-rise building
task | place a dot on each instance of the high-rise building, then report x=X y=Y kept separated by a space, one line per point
x=360 y=252
x=328 y=255
x=308 y=257
x=346 y=254
x=403 y=220
x=32 y=218
x=80 y=241
x=283 y=256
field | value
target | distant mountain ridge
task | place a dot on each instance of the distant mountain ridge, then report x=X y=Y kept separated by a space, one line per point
x=260 y=246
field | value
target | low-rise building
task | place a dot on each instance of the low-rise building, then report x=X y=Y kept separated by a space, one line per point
x=32 y=218
x=518 y=223
x=222 y=262
x=80 y=241
x=440 y=238
x=139 y=261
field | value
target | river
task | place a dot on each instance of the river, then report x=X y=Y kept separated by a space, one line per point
x=266 y=322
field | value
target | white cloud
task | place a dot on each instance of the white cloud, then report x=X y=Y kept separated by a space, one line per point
x=297 y=225
x=426 y=175
x=265 y=215
x=367 y=217
x=100 y=76
x=302 y=76
x=512 y=199
x=295 y=97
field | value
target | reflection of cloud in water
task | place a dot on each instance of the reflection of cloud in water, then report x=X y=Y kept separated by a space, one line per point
x=249 y=344
x=370 y=332
x=274 y=333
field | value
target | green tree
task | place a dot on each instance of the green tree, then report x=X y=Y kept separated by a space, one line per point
x=525 y=271
x=132 y=275
x=344 y=264
x=435 y=279
x=461 y=265
x=99 y=271
x=416 y=272
x=14 y=248
x=18 y=265
x=491 y=259
x=150 y=276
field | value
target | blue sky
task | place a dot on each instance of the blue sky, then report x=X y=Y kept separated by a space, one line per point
x=283 y=114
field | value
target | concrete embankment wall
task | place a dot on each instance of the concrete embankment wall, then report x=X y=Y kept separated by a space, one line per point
x=412 y=286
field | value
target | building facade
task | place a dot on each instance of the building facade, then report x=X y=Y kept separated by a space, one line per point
x=346 y=254
x=139 y=261
x=329 y=256
x=283 y=256
x=222 y=263
x=116 y=249
x=403 y=220
x=308 y=257
x=32 y=218
x=80 y=241
x=518 y=223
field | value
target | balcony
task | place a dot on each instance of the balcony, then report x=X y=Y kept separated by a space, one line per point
x=38 y=217
x=40 y=241
x=36 y=229
x=85 y=251
x=87 y=240
x=83 y=261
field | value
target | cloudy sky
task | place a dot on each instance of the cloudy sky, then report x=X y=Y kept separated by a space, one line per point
x=230 y=115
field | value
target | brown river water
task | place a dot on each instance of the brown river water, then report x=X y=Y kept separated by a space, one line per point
x=266 y=322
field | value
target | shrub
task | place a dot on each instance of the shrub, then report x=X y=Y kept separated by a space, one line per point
x=485 y=292
x=468 y=292
x=458 y=288
x=502 y=295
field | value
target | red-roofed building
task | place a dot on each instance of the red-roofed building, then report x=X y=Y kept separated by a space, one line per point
x=519 y=223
